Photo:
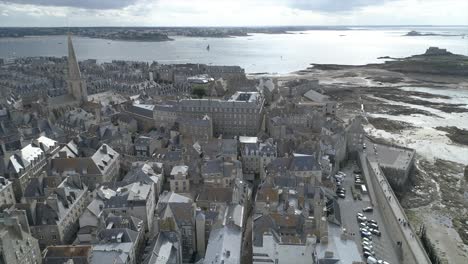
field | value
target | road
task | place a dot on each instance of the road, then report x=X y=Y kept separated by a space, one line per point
x=349 y=208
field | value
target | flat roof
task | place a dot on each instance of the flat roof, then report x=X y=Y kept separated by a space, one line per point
x=393 y=157
x=245 y=97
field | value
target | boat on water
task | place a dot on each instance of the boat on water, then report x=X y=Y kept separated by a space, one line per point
x=208 y=48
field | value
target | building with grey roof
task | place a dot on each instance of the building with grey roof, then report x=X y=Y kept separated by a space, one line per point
x=205 y=219
x=256 y=156
x=165 y=248
x=55 y=221
x=177 y=213
x=143 y=114
x=145 y=146
x=148 y=173
x=322 y=102
x=115 y=253
x=102 y=166
x=241 y=115
x=221 y=173
x=196 y=129
x=280 y=238
x=7 y=196
x=179 y=179
x=135 y=199
x=76 y=121
x=133 y=240
x=225 y=242
x=17 y=245
x=29 y=162
x=229 y=149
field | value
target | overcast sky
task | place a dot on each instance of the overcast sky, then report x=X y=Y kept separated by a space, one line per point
x=231 y=12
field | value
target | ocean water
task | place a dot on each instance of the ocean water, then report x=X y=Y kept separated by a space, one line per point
x=272 y=53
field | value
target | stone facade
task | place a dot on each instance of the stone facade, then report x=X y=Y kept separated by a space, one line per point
x=17 y=246
x=240 y=115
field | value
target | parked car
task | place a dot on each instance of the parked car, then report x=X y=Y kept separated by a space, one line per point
x=367 y=239
x=382 y=262
x=362 y=218
x=365 y=233
x=367 y=244
x=341 y=195
x=372 y=221
x=362 y=225
x=375 y=232
x=368 y=250
x=373 y=226
x=367 y=254
x=371 y=260
x=368 y=209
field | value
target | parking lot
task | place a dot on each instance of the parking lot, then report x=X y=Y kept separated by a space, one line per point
x=382 y=246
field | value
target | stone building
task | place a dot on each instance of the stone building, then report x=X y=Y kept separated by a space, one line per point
x=322 y=102
x=177 y=213
x=241 y=115
x=225 y=242
x=256 y=156
x=17 y=245
x=7 y=196
x=221 y=173
x=196 y=129
x=135 y=199
x=55 y=221
x=29 y=162
x=165 y=115
x=102 y=166
x=179 y=180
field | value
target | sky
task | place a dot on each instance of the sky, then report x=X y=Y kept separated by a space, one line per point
x=62 y=13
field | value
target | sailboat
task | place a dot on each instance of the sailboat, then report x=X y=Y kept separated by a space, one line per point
x=208 y=47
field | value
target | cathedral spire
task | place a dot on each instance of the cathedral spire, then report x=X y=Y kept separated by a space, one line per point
x=76 y=85
x=73 y=68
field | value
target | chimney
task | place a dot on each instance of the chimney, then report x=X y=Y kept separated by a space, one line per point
x=104 y=149
x=119 y=237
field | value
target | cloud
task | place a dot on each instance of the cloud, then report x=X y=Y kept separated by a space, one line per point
x=333 y=5
x=85 y=4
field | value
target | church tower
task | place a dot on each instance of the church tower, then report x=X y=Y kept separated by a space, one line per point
x=76 y=85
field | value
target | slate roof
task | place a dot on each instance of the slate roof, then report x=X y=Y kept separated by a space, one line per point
x=213 y=194
x=110 y=235
x=163 y=249
x=302 y=162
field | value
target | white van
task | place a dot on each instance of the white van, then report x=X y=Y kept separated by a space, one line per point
x=371 y=260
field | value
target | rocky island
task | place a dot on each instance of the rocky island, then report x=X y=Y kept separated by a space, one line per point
x=414 y=33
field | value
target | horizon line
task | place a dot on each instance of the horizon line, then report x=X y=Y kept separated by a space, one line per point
x=250 y=26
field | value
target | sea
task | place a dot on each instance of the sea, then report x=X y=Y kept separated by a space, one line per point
x=256 y=53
